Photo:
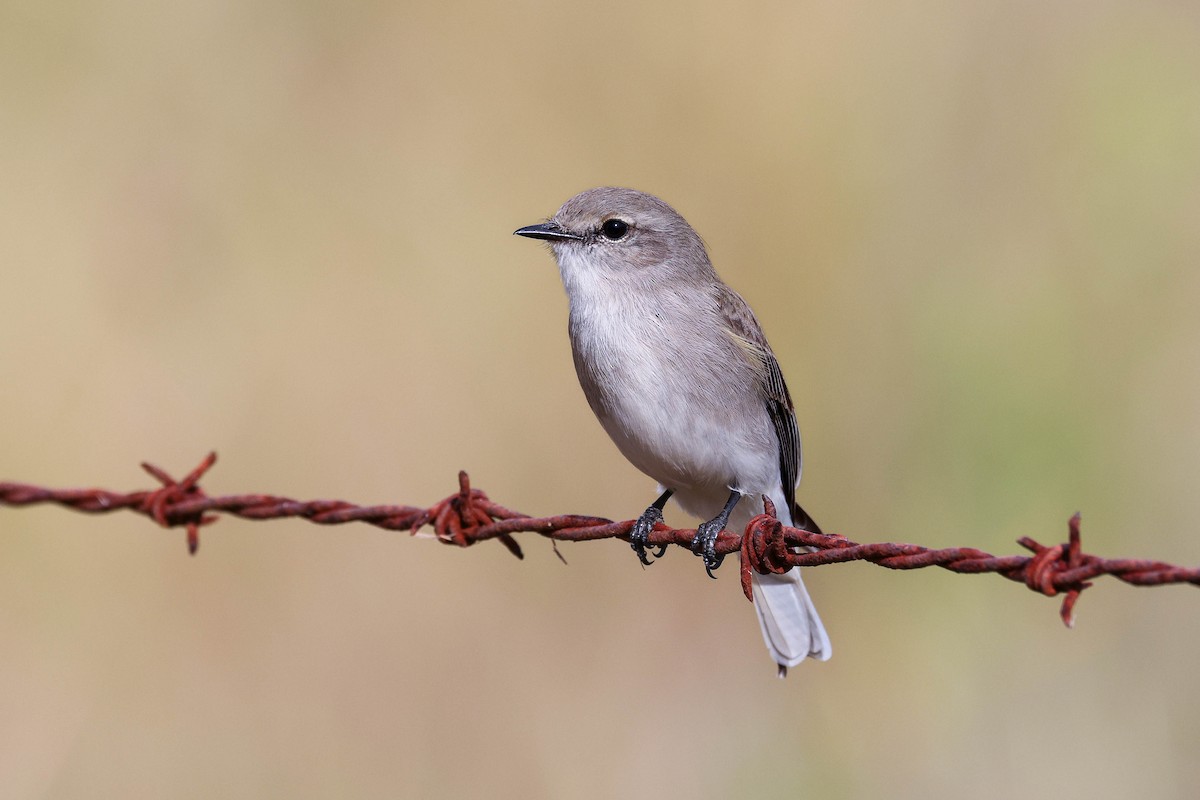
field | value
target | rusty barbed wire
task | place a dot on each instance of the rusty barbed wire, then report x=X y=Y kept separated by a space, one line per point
x=469 y=516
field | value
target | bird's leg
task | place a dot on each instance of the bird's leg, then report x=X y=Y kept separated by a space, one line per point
x=704 y=545
x=645 y=523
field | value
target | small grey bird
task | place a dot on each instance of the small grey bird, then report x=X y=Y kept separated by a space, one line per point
x=677 y=370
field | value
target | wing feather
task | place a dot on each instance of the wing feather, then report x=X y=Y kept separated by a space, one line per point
x=746 y=332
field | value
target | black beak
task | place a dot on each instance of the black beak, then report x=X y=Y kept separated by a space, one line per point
x=548 y=231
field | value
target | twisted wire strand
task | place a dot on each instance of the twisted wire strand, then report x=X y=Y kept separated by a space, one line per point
x=469 y=516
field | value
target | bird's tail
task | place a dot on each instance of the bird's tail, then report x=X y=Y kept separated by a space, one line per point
x=790 y=624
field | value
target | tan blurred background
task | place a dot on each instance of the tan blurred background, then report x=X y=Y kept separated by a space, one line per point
x=283 y=231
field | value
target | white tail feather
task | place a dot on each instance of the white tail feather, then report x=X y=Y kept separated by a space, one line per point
x=789 y=621
x=790 y=624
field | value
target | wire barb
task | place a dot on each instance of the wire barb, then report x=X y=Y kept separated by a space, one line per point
x=469 y=516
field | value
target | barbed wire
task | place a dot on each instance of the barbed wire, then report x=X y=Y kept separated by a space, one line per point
x=469 y=516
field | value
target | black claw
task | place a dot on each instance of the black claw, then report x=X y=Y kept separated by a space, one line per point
x=645 y=524
x=641 y=532
x=713 y=563
x=705 y=543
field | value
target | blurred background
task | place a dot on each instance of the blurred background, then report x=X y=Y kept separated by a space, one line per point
x=283 y=231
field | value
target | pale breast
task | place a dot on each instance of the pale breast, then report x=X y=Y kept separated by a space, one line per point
x=677 y=399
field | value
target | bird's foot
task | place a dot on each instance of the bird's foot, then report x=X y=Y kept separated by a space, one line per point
x=705 y=544
x=641 y=533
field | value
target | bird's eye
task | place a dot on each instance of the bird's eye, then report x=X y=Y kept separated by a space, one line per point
x=614 y=228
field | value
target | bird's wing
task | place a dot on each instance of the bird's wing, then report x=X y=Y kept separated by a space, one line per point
x=745 y=331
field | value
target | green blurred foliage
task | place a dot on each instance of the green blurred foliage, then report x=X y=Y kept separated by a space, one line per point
x=282 y=230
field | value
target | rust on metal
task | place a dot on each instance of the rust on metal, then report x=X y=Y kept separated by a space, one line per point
x=469 y=516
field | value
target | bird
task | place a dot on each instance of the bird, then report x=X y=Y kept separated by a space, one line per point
x=677 y=370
